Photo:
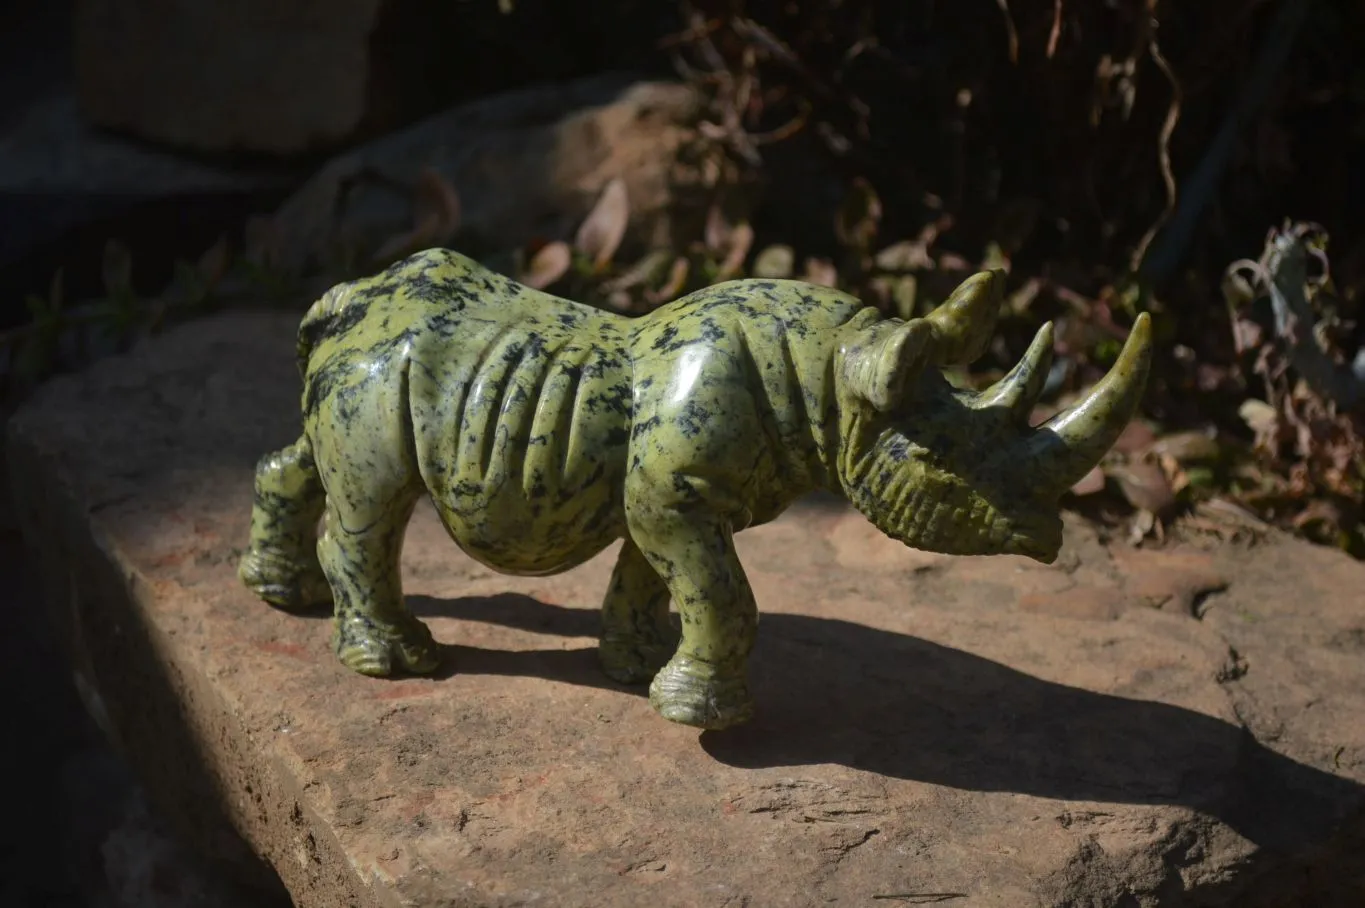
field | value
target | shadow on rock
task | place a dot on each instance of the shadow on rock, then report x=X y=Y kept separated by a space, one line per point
x=832 y=691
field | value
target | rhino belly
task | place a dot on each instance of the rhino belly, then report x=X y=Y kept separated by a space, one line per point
x=515 y=532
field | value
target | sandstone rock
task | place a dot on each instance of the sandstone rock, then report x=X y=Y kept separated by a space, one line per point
x=1170 y=581
x=927 y=728
x=521 y=164
x=1099 y=603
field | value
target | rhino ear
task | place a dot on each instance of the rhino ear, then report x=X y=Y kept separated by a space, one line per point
x=879 y=369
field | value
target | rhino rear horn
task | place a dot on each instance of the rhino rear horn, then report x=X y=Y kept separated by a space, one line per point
x=965 y=322
x=892 y=354
x=1070 y=444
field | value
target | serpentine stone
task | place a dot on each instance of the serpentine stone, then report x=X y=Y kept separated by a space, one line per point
x=543 y=430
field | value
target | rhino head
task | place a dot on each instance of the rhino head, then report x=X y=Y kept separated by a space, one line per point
x=961 y=472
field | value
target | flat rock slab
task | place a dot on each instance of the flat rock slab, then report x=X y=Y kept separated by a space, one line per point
x=1176 y=727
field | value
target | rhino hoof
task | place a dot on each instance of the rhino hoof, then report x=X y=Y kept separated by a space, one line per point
x=375 y=649
x=282 y=581
x=701 y=695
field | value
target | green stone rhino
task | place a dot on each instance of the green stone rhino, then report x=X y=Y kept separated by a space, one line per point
x=544 y=430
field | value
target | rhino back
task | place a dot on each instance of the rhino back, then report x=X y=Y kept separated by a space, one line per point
x=735 y=398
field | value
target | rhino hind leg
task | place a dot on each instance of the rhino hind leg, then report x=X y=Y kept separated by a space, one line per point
x=637 y=638
x=705 y=684
x=280 y=564
x=369 y=503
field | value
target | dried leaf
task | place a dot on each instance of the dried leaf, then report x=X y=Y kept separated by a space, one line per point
x=1319 y=511
x=1187 y=447
x=951 y=261
x=1247 y=334
x=648 y=269
x=1259 y=416
x=775 y=263
x=1137 y=436
x=1237 y=290
x=717 y=232
x=1144 y=522
x=677 y=279
x=821 y=271
x=550 y=263
x=1019 y=302
x=1145 y=486
x=741 y=238
x=1175 y=473
x=601 y=233
x=436 y=204
x=1090 y=483
x=907 y=255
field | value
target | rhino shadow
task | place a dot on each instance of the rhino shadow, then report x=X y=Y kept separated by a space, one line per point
x=831 y=691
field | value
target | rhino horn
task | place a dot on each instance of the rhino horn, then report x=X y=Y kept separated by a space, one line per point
x=955 y=333
x=1018 y=391
x=964 y=323
x=1070 y=444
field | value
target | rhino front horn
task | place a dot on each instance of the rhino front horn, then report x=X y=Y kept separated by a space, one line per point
x=1070 y=444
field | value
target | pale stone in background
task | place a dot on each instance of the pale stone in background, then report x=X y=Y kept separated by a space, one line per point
x=275 y=76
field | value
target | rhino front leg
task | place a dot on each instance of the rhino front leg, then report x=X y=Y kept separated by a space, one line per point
x=637 y=638
x=360 y=549
x=706 y=682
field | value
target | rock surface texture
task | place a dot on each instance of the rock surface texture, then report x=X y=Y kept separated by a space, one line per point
x=1124 y=728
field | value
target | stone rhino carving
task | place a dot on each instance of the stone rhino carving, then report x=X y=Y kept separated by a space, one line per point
x=544 y=430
